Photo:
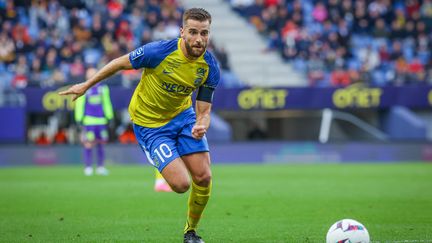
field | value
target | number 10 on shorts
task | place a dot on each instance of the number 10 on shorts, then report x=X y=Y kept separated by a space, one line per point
x=163 y=152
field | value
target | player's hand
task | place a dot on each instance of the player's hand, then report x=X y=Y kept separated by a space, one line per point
x=198 y=131
x=76 y=90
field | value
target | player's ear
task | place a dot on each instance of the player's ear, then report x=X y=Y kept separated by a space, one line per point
x=182 y=33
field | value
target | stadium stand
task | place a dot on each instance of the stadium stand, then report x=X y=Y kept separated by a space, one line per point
x=339 y=42
x=333 y=42
x=251 y=60
x=50 y=43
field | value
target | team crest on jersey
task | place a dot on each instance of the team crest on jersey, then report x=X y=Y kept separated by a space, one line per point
x=200 y=73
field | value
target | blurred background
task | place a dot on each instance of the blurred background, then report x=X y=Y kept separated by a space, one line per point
x=302 y=81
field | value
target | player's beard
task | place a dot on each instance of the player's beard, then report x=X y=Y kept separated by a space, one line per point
x=195 y=52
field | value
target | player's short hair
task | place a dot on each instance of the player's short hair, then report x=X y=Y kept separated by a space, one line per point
x=199 y=14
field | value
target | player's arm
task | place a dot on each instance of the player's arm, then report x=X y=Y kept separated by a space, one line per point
x=202 y=108
x=118 y=64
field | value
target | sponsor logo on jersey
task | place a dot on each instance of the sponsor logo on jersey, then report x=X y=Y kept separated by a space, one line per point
x=166 y=72
x=137 y=53
x=177 y=88
x=170 y=66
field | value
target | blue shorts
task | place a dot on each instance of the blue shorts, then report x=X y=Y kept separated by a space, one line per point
x=173 y=140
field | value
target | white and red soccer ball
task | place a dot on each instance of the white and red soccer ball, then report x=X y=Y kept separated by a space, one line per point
x=347 y=231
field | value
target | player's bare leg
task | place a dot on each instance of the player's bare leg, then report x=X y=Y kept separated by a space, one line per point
x=198 y=165
x=177 y=176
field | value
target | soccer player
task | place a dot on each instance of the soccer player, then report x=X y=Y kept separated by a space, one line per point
x=168 y=130
x=93 y=112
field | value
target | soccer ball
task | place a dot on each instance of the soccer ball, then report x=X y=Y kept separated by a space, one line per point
x=347 y=231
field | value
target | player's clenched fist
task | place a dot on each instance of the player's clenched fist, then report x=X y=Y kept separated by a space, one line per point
x=198 y=131
x=77 y=90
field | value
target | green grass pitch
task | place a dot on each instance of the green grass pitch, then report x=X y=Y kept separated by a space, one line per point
x=250 y=203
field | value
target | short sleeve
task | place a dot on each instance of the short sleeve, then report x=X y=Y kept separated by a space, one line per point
x=214 y=71
x=152 y=54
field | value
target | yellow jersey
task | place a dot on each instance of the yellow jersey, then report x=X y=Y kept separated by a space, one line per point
x=167 y=82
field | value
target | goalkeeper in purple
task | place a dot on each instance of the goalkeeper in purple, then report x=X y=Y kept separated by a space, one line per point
x=93 y=112
x=170 y=132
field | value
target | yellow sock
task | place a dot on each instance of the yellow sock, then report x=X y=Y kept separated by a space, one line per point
x=159 y=177
x=158 y=174
x=198 y=199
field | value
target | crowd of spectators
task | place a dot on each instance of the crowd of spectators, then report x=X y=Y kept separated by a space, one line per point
x=340 y=42
x=47 y=43
x=334 y=42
